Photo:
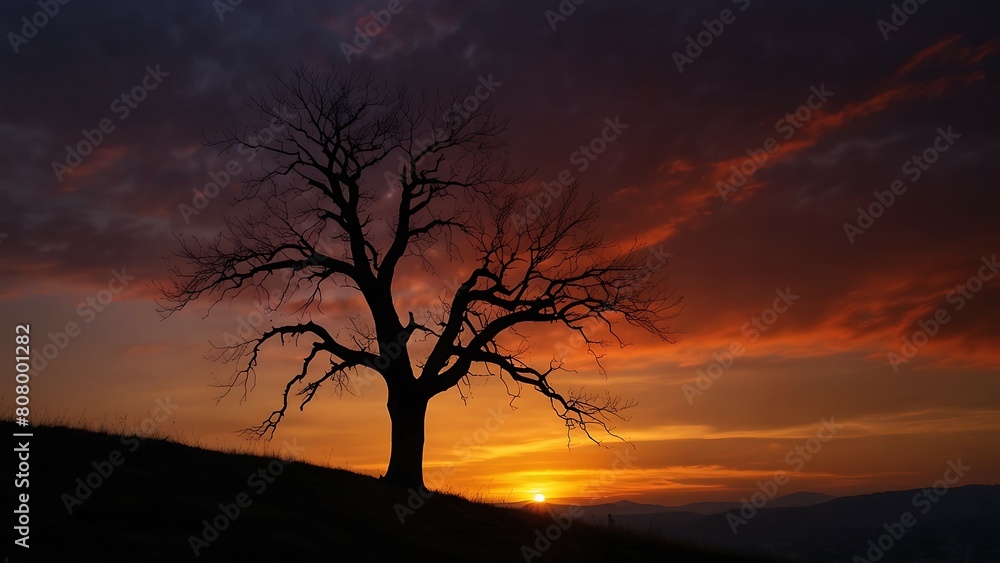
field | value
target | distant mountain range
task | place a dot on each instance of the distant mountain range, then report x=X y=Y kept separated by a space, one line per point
x=629 y=507
x=957 y=524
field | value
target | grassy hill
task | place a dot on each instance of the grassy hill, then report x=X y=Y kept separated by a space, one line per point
x=145 y=501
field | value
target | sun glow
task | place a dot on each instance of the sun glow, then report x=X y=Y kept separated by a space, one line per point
x=539 y=497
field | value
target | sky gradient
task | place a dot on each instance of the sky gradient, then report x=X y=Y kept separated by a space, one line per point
x=776 y=265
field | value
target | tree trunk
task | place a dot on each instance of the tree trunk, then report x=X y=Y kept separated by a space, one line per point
x=407 y=413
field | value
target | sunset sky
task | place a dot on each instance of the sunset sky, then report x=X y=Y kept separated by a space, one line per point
x=833 y=350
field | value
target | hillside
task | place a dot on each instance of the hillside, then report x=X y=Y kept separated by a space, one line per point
x=157 y=495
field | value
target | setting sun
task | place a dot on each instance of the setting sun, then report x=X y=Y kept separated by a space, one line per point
x=539 y=497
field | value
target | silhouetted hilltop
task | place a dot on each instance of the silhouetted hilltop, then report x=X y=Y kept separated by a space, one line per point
x=155 y=500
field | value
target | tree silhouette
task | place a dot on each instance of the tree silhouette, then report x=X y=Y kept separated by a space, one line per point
x=320 y=216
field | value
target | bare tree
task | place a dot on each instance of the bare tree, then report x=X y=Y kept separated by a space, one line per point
x=320 y=216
